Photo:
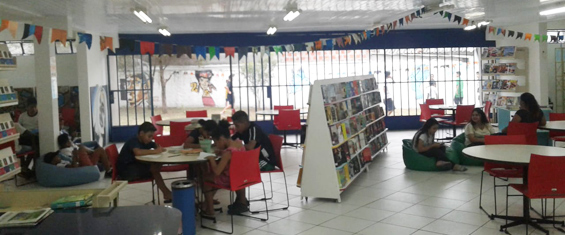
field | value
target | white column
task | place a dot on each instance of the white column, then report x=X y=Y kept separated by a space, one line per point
x=47 y=96
x=84 y=91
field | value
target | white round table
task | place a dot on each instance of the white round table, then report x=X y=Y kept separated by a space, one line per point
x=171 y=158
x=276 y=112
x=553 y=126
x=168 y=122
x=517 y=155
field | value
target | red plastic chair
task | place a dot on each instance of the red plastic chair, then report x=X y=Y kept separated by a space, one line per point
x=280 y=107
x=501 y=171
x=277 y=142
x=178 y=132
x=425 y=112
x=545 y=181
x=154 y=120
x=488 y=105
x=68 y=116
x=527 y=129
x=462 y=115
x=244 y=173
x=289 y=121
x=199 y=113
x=437 y=113
x=168 y=141
x=557 y=135
x=112 y=152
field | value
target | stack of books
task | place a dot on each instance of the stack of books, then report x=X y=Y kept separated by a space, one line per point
x=24 y=218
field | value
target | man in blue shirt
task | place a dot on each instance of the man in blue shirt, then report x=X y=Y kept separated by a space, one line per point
x=128 y=168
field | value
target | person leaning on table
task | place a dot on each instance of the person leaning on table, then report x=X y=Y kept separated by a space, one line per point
x=529 y=112
x=199 y=130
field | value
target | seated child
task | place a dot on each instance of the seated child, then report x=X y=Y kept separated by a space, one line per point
x=253 y=137
x=128 y=168
x=219 y=170
x=203 y=132
x=476 y=130
x=424 y=144
x=85 y=156
x=58 y=160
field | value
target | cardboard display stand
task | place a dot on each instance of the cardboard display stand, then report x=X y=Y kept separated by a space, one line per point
x=346 y=130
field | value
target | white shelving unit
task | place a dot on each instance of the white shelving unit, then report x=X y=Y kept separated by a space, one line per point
x=504 y=97
x=9 y=165
x=322 y=172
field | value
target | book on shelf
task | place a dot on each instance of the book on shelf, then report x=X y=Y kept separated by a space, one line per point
x=24 y=218
x=353 y=124
x=341 y=176
x=334 y=134
x=8 y=161
x=500 y=68
x=507 y=51
x=340 y=132
x=344 y=148
x=339 y=159
x=73 y=201
x=355 y=85
x=346 y=130
x=367 y=154
x=510 y=85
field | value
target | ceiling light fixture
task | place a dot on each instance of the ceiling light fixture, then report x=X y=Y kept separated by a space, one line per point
x=291 y=15
x=553 y=11
x=474 y=14
x=470 y=27
x=164 y=31
x=271 y=30
x=142 y=16
x=483 y=23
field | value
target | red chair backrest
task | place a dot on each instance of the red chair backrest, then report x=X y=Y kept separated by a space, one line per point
x=177 y=130
x=154 y=120
x=277 y=142
x=463 y=113
x=527 y=129
x=425 y=113
x=556 y=117
x=244 y=169
x=503 y=139
x=289 y=120
x=545 y=177
x=167 y=140
x=229 y=119
x=488 y=104
x=435 y=102
x=199 y=113
x=280 y=107
x=112 y=152
x=68 y=116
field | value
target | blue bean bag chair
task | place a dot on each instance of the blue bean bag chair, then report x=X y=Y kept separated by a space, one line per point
x=418 y=162
x=52 y=176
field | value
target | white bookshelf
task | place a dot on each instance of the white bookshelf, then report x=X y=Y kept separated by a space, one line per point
x=322 y=172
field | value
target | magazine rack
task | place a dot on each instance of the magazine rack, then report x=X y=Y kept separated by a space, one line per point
x=346 y=130
x=9 y=164
x=506 y=70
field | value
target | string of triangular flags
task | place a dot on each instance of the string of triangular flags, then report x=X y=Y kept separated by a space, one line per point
x=500 y=31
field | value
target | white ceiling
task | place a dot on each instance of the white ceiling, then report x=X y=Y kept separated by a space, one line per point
x=216 y=16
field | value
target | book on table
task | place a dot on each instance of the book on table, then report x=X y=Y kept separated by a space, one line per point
x=24 y=218
x=72 y=201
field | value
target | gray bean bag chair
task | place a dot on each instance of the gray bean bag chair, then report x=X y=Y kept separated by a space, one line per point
x=52 y=176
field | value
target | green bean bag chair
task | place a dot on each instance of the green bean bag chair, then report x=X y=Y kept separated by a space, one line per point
x=457 y=146
x=415 y=161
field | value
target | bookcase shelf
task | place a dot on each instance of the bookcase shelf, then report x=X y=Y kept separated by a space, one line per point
x=8 y=104
x=9 y=175
x=9 y=138
x=328 y=169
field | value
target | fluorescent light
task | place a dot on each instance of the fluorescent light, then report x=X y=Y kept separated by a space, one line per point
x=291 y=15
x=165 y=32
x=553 y=11
x=470 y=27
x=142 y=16
x=271 y=30
x=482 y=23
x=475 y=14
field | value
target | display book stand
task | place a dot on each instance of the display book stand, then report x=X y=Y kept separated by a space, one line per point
x=9 y=165
x=346 y=130
x=505 y=70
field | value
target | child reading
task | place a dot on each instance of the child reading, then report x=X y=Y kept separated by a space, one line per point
x=202 y=132
x=424 y=144
x=219 y=170
x=128 y=168
x=86 y=156
x=253 y=137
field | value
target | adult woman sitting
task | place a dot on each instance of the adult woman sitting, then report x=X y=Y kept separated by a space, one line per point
x=476 y=130
x=529 y=112
x=423 y=143
x=202 y=131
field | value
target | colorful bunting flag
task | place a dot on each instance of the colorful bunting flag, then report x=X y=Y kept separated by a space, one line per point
x=339 y=42
x=318 y=45
x=553 y=38
x=447 y=15
x=510 y=33
x=298 y=47
x=126 y=43
x=382 y=29
x=4 y=25
x=167 y=49
x=347 y=40
x=242 y=51
x=309 y=46
x=528 y=37
x=356 y=38
x=412 y=16
x=184 y=50
x=418 y=13
x=254 y=50
x=329 y=44
x=465 y=22
x=86 y=38
x=519 y=35
x=26 y=31
x=368 y=34
x=59 y=35
x=13 y=28
x=377 y=32
x=401 y=21
x=200 y=51
x=38 y=33
x=537 y=37
x=289 y=47
x=491 y=29
x=110 y=43
x=439 y=12
x=146 y=47
x=544 y=38
x=457 y=19
x=499 y=31
x=212 y=52
x=394 y=25
x=264 y=50
x=229 y=51
x=408 y=19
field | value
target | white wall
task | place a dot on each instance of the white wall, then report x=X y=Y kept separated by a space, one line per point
x=24 y=74
x=538 y=79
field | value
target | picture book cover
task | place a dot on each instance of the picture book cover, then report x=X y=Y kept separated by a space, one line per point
x=72 y=201
x=341 y=176
x=334 y=133
x=353 y=125
x=378 y=95
x=485 y=85
x=505 y=85
x=496 y=84
x=345 y=151
x=485 y=53
x=356 y=105
x=356 y=166
x=492 y=52
x=351 y=169
x=346 y=130
x=352 y=147
x=489 y=85
x=342 y=94
x=501 y=101
x=361 y=121
x=359 y=144
x=340 y=135
x=486 y=68
x=492 y=98
x=507 y=51
x=349 y=108
x=494 y=68
x=511 y=101
x=512 y=84
x=356 y=90
x=362 y=139
x=367 y=154
x=502 y=68
x=346 y=173
x=24 y=218
x=329 y=114
x=348 y=90
x=341 y=110
x=338 y=158
x=362 y=86
x=365 y=101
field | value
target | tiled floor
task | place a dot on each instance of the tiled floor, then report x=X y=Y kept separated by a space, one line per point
x=388 y=199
